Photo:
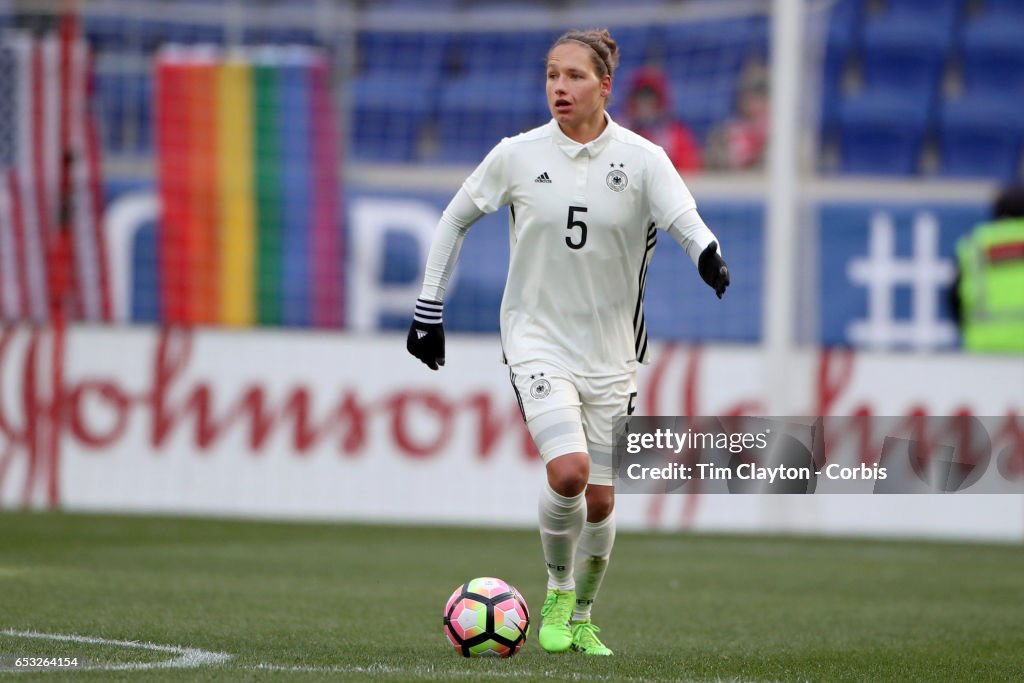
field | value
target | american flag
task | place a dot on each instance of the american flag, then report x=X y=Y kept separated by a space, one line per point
x=45 y=119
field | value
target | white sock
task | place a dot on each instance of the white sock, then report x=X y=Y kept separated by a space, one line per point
x=561 y=521
x=592 y=553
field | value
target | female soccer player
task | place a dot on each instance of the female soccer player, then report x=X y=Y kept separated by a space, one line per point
x=585 y=197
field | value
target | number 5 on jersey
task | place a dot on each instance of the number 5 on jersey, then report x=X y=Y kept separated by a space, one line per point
x=573 y=223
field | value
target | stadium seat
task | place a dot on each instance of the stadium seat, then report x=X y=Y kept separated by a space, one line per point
x=903 y=54
x=495 y=10
x=637 y=45
x=924 y=8
x=882 y=133
x=109 y=97
x=382 y=8
x=144 y=114
x=502 y=53
x=476 y=111
x=843 y=38
x=844 y=23
x=124 y=106
x=713 y=49
x=407 y=54
x=151 y=33
x=981 y=137
x=618 y=3
x=704 y=62
x=1003 y=8
x=280 y=35
x=389 y=115
x=394 y=95
x=104 y=31
x=701 y=104
x=993 y=56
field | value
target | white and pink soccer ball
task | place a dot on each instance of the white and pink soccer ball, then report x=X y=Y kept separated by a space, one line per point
x=486 y=617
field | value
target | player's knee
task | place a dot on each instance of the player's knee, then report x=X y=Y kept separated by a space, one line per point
x=567 y=474
x=600 y=502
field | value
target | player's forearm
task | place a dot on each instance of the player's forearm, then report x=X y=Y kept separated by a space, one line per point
x=690 y=231
x=444 y=253
x=460 y=214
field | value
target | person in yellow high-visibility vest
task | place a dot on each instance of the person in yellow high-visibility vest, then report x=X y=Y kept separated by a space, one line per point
x=988 y=297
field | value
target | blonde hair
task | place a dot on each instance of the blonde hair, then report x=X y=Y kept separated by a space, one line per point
x=605 y=50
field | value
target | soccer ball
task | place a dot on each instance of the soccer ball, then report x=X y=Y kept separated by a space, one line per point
x=486 y=617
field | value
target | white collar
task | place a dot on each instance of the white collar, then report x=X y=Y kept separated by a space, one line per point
x=573 y=149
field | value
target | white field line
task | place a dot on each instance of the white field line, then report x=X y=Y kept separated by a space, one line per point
x=187 y=657
x=190 y=658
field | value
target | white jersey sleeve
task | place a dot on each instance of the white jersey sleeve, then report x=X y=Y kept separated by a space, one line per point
x=668 y=195
x=690 y=231
x=484 y=191
x=455 y=222
x=488 y=185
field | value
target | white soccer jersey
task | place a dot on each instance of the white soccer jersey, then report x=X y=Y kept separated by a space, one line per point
x=582 y=226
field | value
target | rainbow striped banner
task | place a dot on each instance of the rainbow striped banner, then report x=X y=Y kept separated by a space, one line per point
x=250 y=231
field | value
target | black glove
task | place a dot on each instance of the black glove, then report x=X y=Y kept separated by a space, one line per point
x=712 y=268
x=426 y=334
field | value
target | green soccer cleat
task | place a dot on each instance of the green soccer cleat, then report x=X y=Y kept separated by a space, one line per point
x=584 y=639
x=555 y=635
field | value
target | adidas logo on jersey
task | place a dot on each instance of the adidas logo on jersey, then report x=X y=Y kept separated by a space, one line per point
x=542 y=178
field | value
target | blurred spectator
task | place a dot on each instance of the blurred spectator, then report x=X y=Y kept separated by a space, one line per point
x=740 y=142
x=649 y=113
x=988 y=295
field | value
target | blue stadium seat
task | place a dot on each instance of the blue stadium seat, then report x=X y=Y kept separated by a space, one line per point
x=124 y=107
x=1003 y=8
x=882 y=133
x=502 y=53
x=993 y=56
x=925 y=8
x=637 y=45
x=704 y=60
x=151 y=33
x=408 y=54
x=389 y=115
x=901 y=53
x=107 y=91
x=385 y=6
x=617 y=4
x=144 y=114
x=495 y=10
x=104 y=31
x=845 y=21
x=701 y=104
x=758 y=40
x=981 y=137
x=280 y=35
x=844 y=27
x=714 y=48
x=476 y=111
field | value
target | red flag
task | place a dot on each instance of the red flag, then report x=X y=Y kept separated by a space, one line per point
x=45 y=118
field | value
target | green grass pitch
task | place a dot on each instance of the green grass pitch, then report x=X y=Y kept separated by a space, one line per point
x=309 y=602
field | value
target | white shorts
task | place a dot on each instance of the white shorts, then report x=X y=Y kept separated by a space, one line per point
x=566 y=413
